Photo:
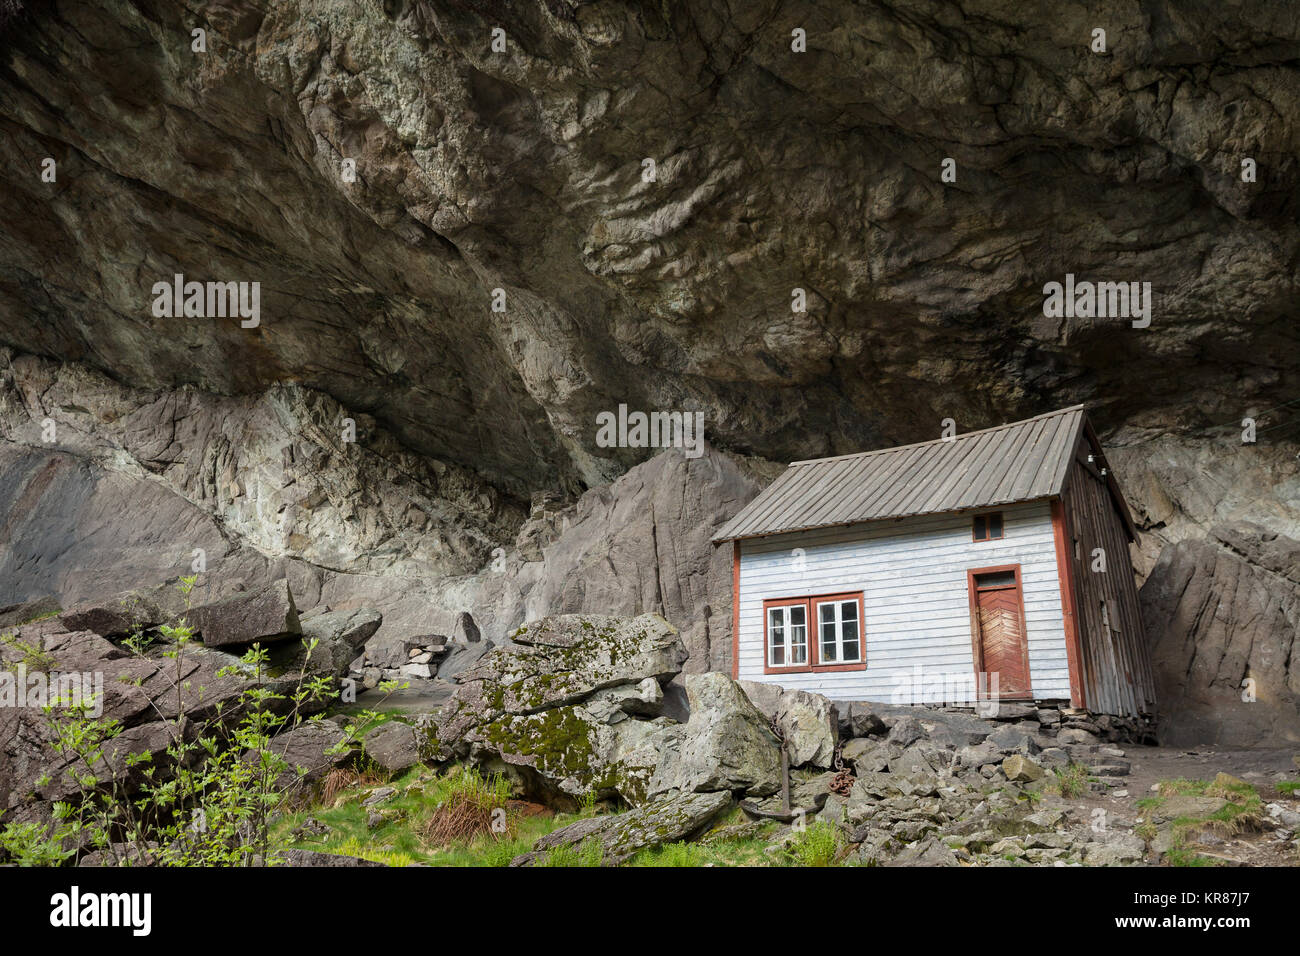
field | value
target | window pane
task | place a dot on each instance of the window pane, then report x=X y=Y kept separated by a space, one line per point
x=980 y=533
x=998 y=579
x=829 y=652
x=827 y=612
x=776 y=635
x=995 y=525
x=849 y=631
x=798 y=635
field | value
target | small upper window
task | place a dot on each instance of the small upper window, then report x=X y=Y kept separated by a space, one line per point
x=987 y=527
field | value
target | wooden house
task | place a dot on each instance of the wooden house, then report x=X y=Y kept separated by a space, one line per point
x=992 y=565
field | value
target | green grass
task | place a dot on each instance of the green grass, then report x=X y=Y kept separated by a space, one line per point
x=588 y=853
x=1288 y=786
x=1181 y=856
x=354 y=847
x=671 y=854
x=1071 y=780
x=1240 y=813
x=399 y=838
x=734 y=840
x=1182 y=787
x=818 y=845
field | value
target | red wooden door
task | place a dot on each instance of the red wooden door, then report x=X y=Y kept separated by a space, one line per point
x=1000 y=624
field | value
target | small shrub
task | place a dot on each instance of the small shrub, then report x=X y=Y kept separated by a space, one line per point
x=818 y=845
x=1071 y=780
x=339 y=780
x=472 y=806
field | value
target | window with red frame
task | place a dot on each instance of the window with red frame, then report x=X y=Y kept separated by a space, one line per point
x=836 y=638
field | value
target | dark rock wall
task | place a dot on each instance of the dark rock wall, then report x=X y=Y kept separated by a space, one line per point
x=522 y=171
x=1223 y=617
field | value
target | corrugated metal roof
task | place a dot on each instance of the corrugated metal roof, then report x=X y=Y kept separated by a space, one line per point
x=1022 y=461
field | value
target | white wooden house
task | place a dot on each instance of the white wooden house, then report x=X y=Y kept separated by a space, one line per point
x=992 y=565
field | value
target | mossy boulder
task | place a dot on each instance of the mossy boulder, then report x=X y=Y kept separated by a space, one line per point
x=566 y=702
x=573 y=751
x=560 y=661
x=622 y=836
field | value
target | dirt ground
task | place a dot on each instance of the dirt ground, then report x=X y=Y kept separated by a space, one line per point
x=1150 y=765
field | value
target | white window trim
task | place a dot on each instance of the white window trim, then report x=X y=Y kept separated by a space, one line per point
x=787 y=644
x=839 y=631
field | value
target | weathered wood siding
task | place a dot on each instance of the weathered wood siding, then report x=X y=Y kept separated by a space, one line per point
x=1114 y=659
x=912 y=573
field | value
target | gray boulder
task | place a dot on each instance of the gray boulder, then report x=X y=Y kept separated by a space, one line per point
x=1014 y=739
x=1020 y=769
x=865 y=754
x=860 y=719
x=22 y=613
x=353 y=627
x=465 y=630
x=265 y=614
x=906 y=731
x=808 y=722
x=315 y=858
x=725 y=745
x=306 y=749
x=337 y=634
x=461 y=657
x=928 y=852
x=394 y=746
x=128 y=612
x=560 y=661
x=561 y=706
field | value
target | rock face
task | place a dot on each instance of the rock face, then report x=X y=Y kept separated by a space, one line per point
x=143 y=693
x=1223 y=616
x=128 y=613
x=132 y=442
x=523 y=170
x=640 y=544
x=280 y=472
